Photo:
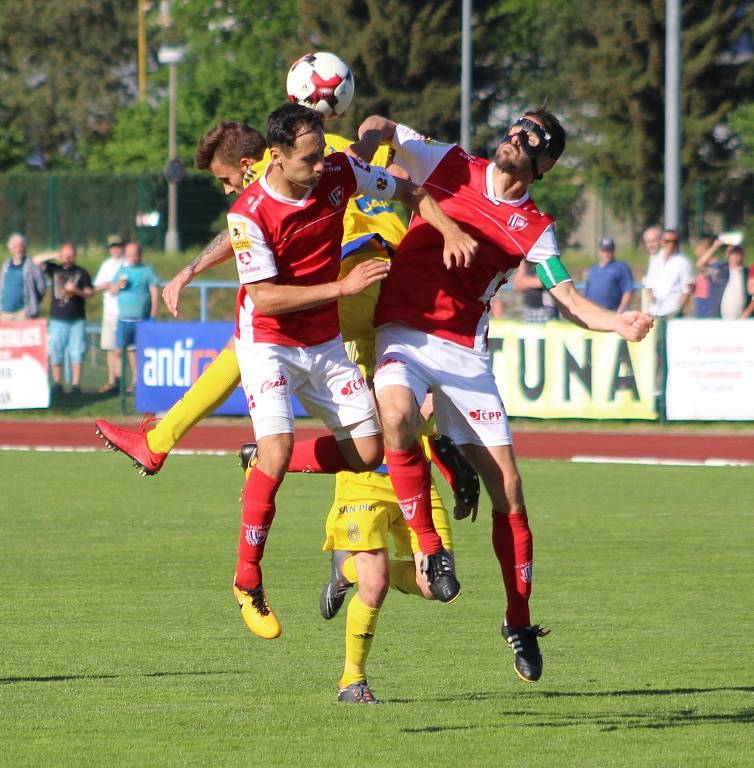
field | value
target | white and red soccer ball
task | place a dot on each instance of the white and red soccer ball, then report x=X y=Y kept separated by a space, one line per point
x=321 y=81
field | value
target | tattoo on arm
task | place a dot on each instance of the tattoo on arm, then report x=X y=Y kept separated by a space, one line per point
x=194 y=263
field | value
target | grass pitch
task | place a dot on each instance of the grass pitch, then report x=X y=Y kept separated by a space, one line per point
x=122 y=644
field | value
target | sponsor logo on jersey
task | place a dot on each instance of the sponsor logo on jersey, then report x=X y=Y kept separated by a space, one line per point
x=332 y=168
x=516 y=222
x=371 y=206
x=255 y=202
x=381 y=182
x=525 y=572
x=493 y=200
x=336 y=196
x=239 y=237
x=350 y=509
x=278 y=382
x=250 y=402
x=482 y=415
x=353 y=387
x=255 y=534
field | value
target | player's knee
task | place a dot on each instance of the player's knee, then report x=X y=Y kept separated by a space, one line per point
x=368 y=455
x=398 y=427
x=274 y=456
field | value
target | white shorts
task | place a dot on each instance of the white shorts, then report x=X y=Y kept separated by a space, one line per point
x=468 y=406
x=107 y=339
x=322 y=377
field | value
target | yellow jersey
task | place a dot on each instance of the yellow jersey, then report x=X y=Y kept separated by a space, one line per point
x=365 y=218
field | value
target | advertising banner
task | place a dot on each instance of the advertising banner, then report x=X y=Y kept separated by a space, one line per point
x=23 y=365
x=557 y=370
x=172 y=356
x=710 y=370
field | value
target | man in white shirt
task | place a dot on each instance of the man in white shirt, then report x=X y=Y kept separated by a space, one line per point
x=102 y=281
x=669 y=279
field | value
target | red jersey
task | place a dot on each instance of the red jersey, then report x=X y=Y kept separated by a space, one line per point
x=296 y=242
x=453 y=304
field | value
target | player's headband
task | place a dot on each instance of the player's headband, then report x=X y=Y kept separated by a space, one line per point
x=534 y=140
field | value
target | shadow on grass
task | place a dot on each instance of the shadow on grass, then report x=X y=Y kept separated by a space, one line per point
x=67 y=678
x=605 y=721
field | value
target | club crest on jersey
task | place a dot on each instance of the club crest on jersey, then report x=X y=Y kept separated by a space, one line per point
x=516 y=222
x=381 y=183
x=336 y=196
x=244 y=257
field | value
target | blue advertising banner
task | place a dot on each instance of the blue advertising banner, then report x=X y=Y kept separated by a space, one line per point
x=172 y=356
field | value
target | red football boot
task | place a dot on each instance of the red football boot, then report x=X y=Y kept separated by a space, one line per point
x=133 y=444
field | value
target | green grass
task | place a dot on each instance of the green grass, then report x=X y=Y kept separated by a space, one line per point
x=122 y=645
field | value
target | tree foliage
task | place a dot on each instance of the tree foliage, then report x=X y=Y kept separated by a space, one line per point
x=611 y=84
x=64 y=68
x=405 y=55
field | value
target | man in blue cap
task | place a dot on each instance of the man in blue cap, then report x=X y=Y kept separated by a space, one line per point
x=610 y=283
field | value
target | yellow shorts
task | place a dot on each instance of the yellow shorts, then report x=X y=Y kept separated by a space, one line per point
x=356 y=313
x=365 y=510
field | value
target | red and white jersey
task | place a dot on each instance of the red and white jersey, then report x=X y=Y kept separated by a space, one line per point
x=453 y=304
x=297 y=242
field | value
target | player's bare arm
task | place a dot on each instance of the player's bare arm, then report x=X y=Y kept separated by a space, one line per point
x=459 y=249
x=273 y=299
x=218 y=251
x=632 y=326
x=379 y=126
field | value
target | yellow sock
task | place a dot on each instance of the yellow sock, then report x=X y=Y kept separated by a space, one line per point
x=211 y=389
x=349 y=569
x=403 y=577
x=360 y=625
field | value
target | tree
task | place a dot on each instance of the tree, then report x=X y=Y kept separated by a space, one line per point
x=405 y=56
x=64 y=69
x=612 y=85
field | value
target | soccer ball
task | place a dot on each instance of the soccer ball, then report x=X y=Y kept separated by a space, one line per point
x=321 y=81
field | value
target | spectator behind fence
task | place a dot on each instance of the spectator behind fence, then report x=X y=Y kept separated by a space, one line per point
x=135 y=285
x=651 y=238
x=102 y=282
x=749 y=311
x=669 y=279
x=71 y=287
x=22 y=284
x=736 y=299
x=610 y=283
x=711 y=278
x=538 y=304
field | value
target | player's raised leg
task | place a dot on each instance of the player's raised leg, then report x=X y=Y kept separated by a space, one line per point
x=258 y=512
x=149 y=448
x=409 y=472
x=512 y=543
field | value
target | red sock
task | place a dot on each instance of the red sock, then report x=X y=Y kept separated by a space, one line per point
x=258 y=507
x=409 y=473
x=512 y=542
x=320 y=455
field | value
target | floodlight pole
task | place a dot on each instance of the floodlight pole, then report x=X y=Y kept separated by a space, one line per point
x=673 y=114
x=172 y=243
x=466 y=58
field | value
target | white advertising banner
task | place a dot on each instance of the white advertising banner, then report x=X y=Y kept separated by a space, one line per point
x=23 y=365
x=710 y=370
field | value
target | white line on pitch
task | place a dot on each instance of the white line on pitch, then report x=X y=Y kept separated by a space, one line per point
x=89 y=449
x=653 y=461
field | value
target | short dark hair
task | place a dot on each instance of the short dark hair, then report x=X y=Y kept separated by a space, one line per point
x=229 y=142
x=553 y=127
x=288 y=122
